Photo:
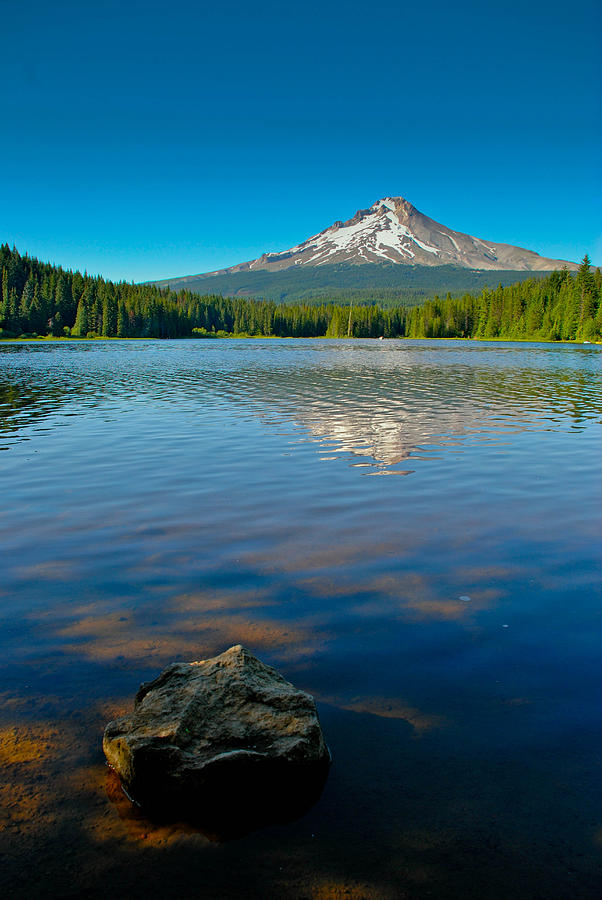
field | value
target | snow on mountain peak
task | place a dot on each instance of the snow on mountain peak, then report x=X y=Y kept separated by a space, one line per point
x=387 y=202
x=392 y=230
x=373 y=235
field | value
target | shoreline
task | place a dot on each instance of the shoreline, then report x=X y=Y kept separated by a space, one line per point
x=277 y=337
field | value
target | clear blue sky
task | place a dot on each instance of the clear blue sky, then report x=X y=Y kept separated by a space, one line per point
x=141 y=140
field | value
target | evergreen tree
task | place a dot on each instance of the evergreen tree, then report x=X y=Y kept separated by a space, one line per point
x=81 y=326
x=23 y=317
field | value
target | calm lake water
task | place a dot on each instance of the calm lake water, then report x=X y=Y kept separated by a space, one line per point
x=408 y=530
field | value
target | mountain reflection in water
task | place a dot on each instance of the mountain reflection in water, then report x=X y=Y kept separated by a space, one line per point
x=385 y=403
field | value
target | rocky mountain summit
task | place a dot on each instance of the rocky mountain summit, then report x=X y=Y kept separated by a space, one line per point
x=392 y=230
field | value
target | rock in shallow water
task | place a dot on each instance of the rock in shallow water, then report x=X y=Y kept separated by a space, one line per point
x=226 y=742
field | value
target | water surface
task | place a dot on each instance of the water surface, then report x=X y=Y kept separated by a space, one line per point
x=407 y=529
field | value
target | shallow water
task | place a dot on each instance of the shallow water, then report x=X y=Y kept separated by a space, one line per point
x=408 y=530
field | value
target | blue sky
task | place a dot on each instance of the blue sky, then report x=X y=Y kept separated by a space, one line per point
x=142 y=140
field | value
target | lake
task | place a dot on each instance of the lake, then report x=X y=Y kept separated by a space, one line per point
x=409 y=530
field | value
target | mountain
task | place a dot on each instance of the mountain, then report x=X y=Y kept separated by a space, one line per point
x=393 y=230
x=391 y=235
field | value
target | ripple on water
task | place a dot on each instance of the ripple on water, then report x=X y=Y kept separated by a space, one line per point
x=163 y=500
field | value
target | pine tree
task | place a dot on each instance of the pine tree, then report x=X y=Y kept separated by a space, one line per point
x=82 y=318
x=26 y=301
x=63 y=301
x=4 y=292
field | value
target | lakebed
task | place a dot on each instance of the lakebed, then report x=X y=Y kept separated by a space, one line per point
x=408 y=530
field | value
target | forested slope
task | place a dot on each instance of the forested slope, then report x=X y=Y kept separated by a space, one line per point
x=343 y=283
x=41 y=299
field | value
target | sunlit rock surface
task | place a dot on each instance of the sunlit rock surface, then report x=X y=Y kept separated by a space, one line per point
x=226 y=742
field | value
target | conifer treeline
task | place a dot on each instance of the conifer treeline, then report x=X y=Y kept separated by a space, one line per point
x=41 y=299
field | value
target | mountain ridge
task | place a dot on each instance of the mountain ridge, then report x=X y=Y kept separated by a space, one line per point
x=390 y=241
x=392 y=230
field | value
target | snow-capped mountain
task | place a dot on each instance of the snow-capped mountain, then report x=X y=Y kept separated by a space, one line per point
x=394 y=231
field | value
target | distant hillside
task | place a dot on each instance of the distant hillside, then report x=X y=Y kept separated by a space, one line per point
x=388 y=284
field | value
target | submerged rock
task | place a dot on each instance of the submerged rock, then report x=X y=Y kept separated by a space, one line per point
x=226 y=742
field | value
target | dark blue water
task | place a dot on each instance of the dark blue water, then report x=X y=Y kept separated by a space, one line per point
x=408 y=530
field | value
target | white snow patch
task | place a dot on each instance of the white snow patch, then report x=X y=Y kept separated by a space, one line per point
x=402 y=230
x=448 y=235
x=479 y=241
x=424 y=246
x=379 y=233
x=386 y=202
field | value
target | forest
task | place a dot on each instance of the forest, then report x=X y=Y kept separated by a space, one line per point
x=385 y=284
x=39 y=299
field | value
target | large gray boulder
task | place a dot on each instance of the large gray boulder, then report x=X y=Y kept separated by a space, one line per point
x=227 y=742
